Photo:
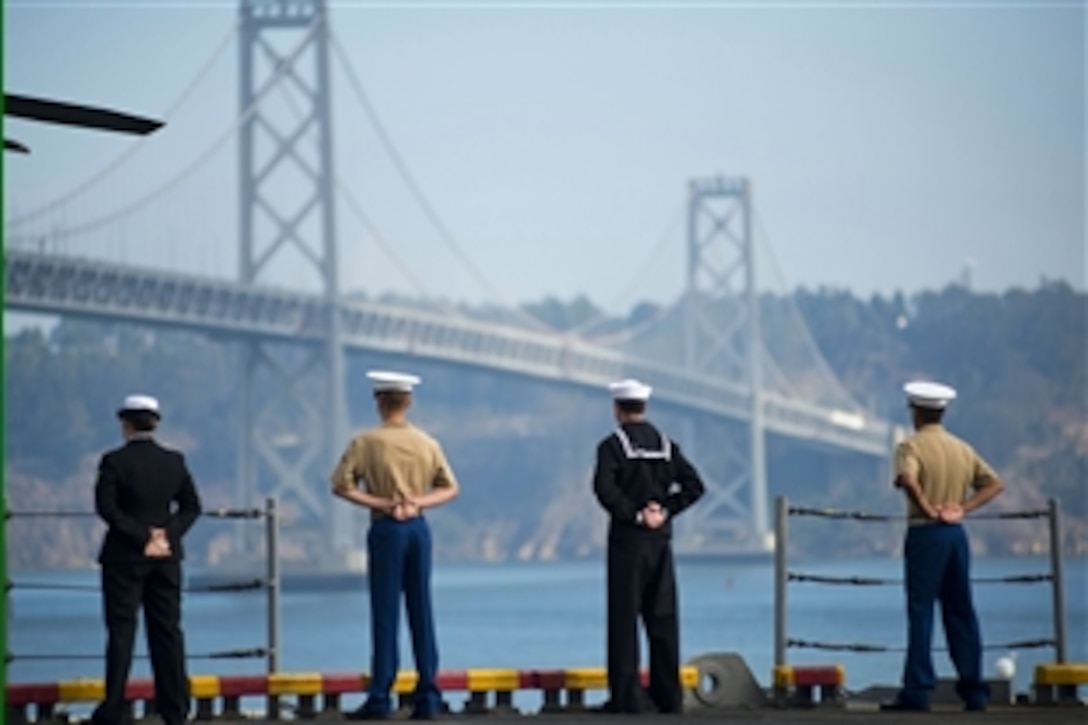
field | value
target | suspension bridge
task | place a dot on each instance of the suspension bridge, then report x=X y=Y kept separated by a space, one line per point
x=729 y=369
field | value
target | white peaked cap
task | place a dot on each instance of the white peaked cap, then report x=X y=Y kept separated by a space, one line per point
x=923 y=394
x=630 y=389
x=388 y=381
x=139 y=403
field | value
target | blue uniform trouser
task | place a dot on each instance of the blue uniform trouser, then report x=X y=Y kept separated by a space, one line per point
x=400 y=561
x=938 y=560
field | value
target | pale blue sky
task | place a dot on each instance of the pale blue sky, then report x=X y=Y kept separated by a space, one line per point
x=887 y=143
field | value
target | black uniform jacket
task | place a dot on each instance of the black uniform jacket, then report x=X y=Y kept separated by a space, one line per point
x=137 y=487
x=638 y=464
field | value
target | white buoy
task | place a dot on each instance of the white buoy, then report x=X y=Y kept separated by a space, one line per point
x=1005 y=667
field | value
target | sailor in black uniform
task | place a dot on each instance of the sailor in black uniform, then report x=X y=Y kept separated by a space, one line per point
x=146 y=496
x=643 y=481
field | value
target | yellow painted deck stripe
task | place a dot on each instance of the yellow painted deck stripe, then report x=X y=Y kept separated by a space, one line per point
x=782 y=676
x=1067 y=673
x=689 y=677
x=294 y=683
x=405 y=682
x=204 y=686
x=499 y=680
x=82 y=690
x=586 y=678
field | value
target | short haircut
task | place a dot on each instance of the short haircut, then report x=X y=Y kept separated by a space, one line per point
x=393 y=400
x=631 y=406
x=928 y=415
x=140 y=420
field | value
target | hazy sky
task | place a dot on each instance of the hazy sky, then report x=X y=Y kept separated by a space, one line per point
x=888 y=144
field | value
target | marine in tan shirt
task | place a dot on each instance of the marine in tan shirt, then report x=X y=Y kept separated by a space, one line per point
x=945 y=467
x=402 y=471
x=936 y=469
x=944 y=478
x=395 y=462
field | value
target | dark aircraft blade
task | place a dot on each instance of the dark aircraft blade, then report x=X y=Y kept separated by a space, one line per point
x=10 y=145
x=37 y=109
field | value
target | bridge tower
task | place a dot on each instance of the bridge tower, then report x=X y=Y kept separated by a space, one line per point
x=722 y=339
x=293 y=399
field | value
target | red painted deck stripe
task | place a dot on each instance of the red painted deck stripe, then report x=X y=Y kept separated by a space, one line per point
x=338 y=683
x=143 y=689
x=542 y=679
x=816 y=675
x=453 y=680
x=238 y=685
x=47 y=693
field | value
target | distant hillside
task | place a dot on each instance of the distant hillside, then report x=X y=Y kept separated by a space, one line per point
x=523 y=450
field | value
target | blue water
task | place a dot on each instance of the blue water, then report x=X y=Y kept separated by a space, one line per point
x=552 y=615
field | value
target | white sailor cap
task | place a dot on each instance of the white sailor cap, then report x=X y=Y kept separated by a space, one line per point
x=924 y=394
x=139 y=404
x=387 y=381
x=630 y=389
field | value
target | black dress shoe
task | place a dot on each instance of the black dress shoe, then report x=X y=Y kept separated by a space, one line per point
x=364 y=714
x=97 y=718
x=423 y=715
x=610 y=708
x=900 y=706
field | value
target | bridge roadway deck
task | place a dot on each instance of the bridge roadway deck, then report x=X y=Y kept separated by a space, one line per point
x=56 y=284
x=856 y=715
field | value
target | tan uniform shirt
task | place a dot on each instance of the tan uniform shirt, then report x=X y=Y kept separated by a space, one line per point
x=393 y=461
x=944 y=466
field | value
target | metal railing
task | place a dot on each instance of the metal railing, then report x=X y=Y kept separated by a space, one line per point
x=783 y=576
x=270 y=583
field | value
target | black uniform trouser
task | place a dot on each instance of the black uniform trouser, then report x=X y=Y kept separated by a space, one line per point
x=642 y=582
x=156 y=586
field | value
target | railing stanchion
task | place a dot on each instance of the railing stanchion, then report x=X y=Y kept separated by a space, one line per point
x=272 y=561
x=1056 y=582
x=272 y=533
x=781 y=544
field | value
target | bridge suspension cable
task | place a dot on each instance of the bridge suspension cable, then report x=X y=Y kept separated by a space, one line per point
x=447 y=237
x=772 y=368
x=165 y=187
x=370 y=226
x=822 y=367
x=138 y=144
x=356 y=208
x=629 y=334
x=417 y=193
x=772 y=371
